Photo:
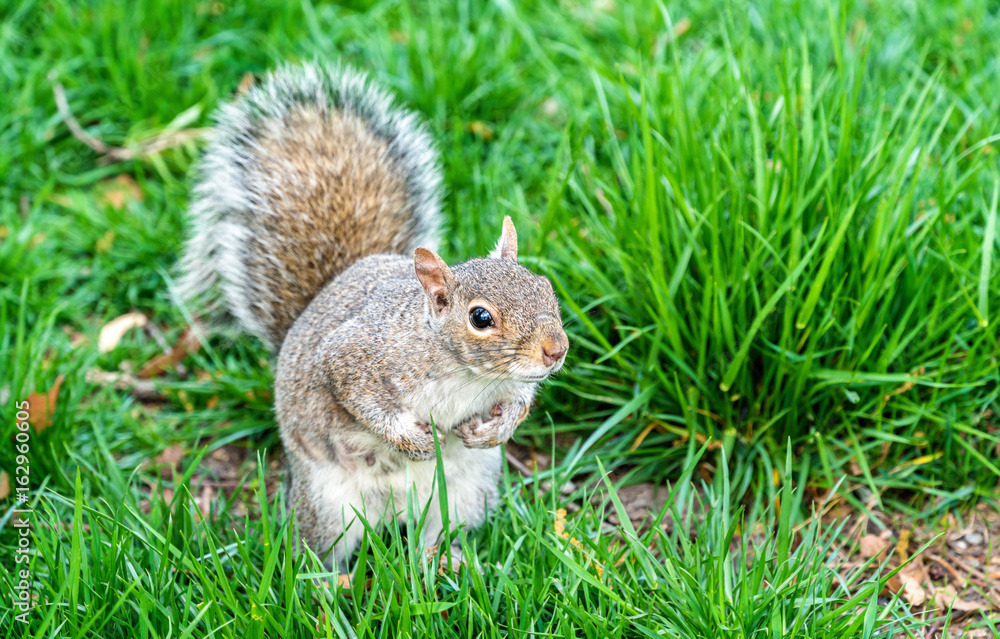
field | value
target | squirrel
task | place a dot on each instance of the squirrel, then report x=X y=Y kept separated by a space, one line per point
x=314 y=223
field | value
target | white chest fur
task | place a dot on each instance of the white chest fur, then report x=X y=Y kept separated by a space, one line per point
x=452 y=399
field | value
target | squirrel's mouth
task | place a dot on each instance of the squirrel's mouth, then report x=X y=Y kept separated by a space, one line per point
x=534 y=378
x=521 y=372
x=536 y=373
x=519 y=378
x=538 y=377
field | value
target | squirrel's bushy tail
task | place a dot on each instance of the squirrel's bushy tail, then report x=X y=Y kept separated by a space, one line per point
x=308 y=172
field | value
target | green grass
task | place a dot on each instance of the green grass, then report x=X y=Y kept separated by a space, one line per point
x=777 y=227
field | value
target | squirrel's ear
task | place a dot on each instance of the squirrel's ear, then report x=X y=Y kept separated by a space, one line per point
x=507 y=245
x=434 y=276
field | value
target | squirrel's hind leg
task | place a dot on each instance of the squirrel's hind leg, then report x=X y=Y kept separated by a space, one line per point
x=471 y=477
x=328 y=501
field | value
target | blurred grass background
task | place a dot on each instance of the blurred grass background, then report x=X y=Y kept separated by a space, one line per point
x=767 y=222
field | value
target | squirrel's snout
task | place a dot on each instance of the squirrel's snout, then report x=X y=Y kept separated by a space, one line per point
x=554 y=348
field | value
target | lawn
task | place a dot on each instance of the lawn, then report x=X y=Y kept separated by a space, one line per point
x=773 y=229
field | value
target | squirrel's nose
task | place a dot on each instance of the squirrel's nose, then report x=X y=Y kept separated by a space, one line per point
x=554 y=348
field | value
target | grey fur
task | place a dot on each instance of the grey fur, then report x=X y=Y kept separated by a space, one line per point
x=317 y=203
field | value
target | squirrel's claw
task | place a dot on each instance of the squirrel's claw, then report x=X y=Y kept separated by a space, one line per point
x=479 y=433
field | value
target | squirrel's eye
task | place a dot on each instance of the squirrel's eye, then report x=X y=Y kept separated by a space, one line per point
x=480 y=318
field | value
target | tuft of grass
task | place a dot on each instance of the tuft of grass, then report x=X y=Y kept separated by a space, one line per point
x=119 y=572
x=794 y=248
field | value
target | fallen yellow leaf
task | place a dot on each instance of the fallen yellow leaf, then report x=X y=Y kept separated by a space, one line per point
x=683 y=26
x=114 y=331
x=480 y=129
x=103 y=245
x=926 y=459
x=115 y=192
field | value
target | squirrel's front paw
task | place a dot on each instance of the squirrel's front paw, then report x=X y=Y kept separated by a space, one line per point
x=484 y=433
x=418 y=442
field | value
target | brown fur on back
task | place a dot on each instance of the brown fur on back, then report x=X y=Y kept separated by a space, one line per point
x=342 y=199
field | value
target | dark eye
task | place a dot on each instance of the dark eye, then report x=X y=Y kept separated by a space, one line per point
x=480 y=318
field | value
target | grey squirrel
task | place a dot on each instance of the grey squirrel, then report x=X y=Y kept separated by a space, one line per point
x=314 y=222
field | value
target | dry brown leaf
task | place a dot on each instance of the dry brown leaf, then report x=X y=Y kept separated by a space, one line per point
x=947 y=597
x=117 y=191
x=188 y=343
x=204 y=501
x=246 y=83
x=168 y=460
x=911 y=578
x=113 y=332
x=875 y=545
x=344 y=581
x=76 y=338
x=42 y=406
x=4 y=485
x=913 y=590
